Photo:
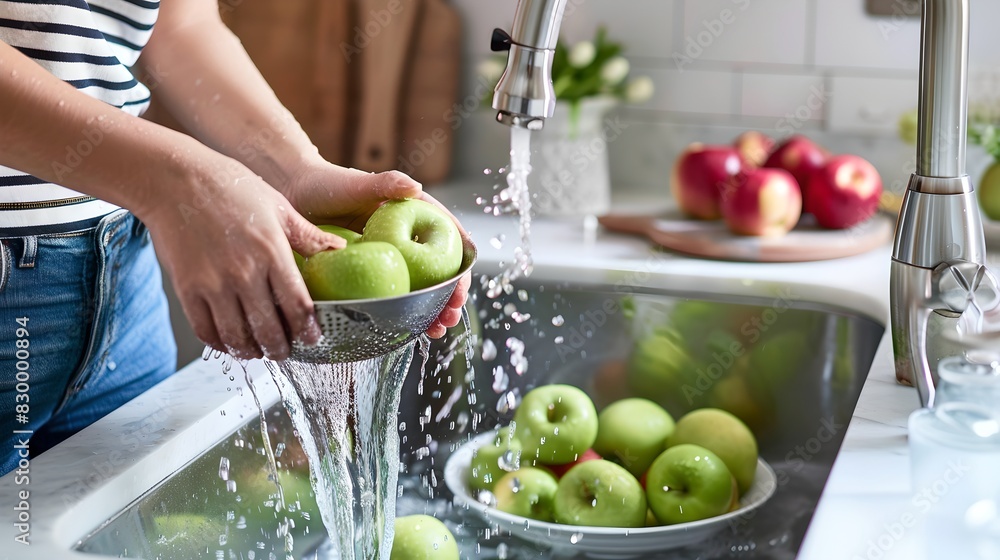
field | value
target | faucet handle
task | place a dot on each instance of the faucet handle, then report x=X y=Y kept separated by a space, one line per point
x=961 y=283
x=500 y=41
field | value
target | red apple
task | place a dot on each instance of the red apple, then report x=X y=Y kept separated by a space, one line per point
x=560 y=470
x=763 y=202
x=754 y=147
x=699 y=175
x=844 y=192
x=799 y=156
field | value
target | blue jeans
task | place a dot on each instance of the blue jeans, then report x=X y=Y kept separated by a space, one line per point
x=84 y=328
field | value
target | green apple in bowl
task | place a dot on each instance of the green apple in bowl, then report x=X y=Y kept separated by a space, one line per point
x=426 y=236
x=556 y=424
x=633 y=432
x=723 y=434
x=494 y=459
x=422 y=537
x=528 y=492
x=688 y=483
x=600 y=494
x=359 y=271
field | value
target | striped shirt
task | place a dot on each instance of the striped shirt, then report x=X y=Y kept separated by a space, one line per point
x=89 y=44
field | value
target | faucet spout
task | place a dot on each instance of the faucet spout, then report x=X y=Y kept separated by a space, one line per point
x=943 y=109
x=939 y=235
x=524 y=96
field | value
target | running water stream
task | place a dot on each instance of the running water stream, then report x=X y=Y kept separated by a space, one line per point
x=518 y=198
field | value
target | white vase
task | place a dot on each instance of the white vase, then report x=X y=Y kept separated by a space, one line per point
x=569 y=160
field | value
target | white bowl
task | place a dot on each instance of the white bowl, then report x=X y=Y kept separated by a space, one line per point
x=601 y=542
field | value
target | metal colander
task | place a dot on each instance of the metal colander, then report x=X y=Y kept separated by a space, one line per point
x=356 y=330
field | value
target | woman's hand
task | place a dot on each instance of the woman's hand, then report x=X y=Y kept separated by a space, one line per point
x=330 y=194
x=226 y=239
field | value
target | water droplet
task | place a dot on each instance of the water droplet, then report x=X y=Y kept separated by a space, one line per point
x=497 y=241
x=112 y=366
x=558 y=321
x=489 y=350
x=575 y=538
x=500 y=380
x=558 y=340
x=224 y=468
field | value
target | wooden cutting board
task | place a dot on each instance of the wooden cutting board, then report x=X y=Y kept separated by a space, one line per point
x=428 y=116
x=383 y=62
x=711 y=239
x=297 y=46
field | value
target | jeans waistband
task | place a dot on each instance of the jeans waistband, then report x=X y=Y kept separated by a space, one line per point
x=52 y=229
x=22 y=250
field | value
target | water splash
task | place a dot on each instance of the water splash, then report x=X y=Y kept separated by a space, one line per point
x=344 y=416
x=272 y=467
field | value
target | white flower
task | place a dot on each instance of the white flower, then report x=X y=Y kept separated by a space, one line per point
x=639 y=90
x=582 y=54
x=615 y=70
x=491 y=69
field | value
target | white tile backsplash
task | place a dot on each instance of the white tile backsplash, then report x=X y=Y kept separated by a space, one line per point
x=747 y=31
x=649 y=32
x=871 y=105
x=790 y=98
x=691 y=91
x=847 y=38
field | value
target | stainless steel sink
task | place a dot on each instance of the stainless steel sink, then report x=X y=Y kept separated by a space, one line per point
x=791 y=369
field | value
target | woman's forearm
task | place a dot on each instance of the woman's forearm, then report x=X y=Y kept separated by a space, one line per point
x=211 y=86
x=51 y=130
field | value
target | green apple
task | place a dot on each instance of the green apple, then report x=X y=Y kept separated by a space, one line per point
x=600 y=494
x=427 y=237
x=989 y=192
x=422 y=537
x=350 y=236
x=556 y=424
x=528 y=492
x=494 y=459
x=633 y=432
x=660 y=368
x=724 y=435
x=687 y=483
x=359 y=271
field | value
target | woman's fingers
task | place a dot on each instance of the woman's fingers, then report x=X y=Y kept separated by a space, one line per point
x=294 y=302
x=200 y=317
x=233 y=327
x=307 y=239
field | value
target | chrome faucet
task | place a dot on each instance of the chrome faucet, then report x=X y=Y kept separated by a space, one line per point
x=937 y=260
x=524 y=96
